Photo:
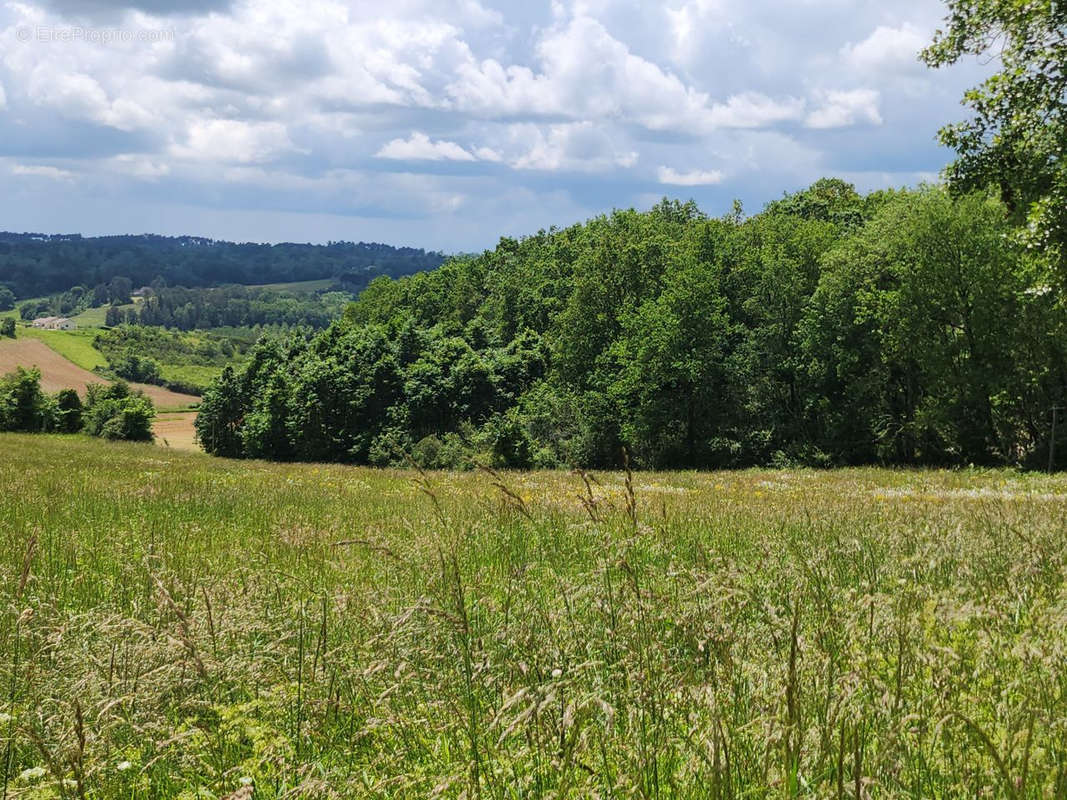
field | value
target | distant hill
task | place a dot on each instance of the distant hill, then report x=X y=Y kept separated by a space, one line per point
x=34 y=264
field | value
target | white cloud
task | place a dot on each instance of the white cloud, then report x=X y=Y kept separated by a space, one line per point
x=580 y=89
x=488 y=154
x=698 y=177
x=886 y=48
x=234 y=141
x=586 y=73
x=575 y=147
x=420 y=147
x=42 y=171
x=755 y=110
x=841 y=109
x=72 y=94
x=692 y=19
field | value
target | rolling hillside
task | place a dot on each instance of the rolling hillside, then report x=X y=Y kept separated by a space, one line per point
x=59 y=373
x=173 y=427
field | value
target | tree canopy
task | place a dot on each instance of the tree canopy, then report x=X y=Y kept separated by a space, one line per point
x=898 y=327
x=1016 y=136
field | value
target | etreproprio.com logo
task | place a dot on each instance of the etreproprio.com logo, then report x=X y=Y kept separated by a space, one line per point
x=77 y=33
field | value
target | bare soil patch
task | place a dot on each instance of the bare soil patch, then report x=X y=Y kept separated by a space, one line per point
x=175 y=430
x=59 y=373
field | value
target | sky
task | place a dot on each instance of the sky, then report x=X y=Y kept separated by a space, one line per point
x=447 y=124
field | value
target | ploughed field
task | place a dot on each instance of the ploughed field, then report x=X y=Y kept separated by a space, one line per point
x=179 y=626
x=58 y=372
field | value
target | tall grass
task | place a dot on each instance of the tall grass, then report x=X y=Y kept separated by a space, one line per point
x=180 y=626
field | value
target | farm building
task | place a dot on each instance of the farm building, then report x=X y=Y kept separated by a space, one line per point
x=55 y=323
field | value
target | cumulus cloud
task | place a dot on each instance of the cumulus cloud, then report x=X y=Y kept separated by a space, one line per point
x=232 y=140
x=699 y=177
x=420 y=147
x=398 y=110
x=584 y=72
x=689 y=20
x=886 y=48
x=841 y=109
x=754 y=110
x=575 y=147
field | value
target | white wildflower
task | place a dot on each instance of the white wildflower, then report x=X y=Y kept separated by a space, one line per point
x=122 y=766
x=32 y=774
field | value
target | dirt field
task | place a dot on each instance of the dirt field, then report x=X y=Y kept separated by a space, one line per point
x=175 y=430
x=59 y=373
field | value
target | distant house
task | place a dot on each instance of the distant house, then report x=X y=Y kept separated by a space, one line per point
x=55 y=323
x=144 y=291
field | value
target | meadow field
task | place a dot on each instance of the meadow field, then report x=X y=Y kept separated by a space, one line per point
x=176 y=625
x=75 y=346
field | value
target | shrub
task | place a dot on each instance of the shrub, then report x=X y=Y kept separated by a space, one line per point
x=23 y=406
x=133 y=367
x=507 y=440
x=133 y=422
x=68 y=411
x=114 y=412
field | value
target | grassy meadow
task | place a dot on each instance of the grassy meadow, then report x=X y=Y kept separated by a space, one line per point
x=76 y=346
x=190 y=374
x=179 y=626
x=96 y=317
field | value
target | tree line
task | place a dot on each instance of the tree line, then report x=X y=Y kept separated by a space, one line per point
x=33 y=265
x=907 y=327
x=234 y=306
x=110 y=411
x=77 y=299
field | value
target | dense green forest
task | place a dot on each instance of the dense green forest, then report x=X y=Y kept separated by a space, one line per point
x=32 y=265
x=906 y=327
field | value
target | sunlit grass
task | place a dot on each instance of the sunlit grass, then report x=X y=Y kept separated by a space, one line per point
x=76 y=346
x=173 y=624
x=190 y=374
x=92 y=317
